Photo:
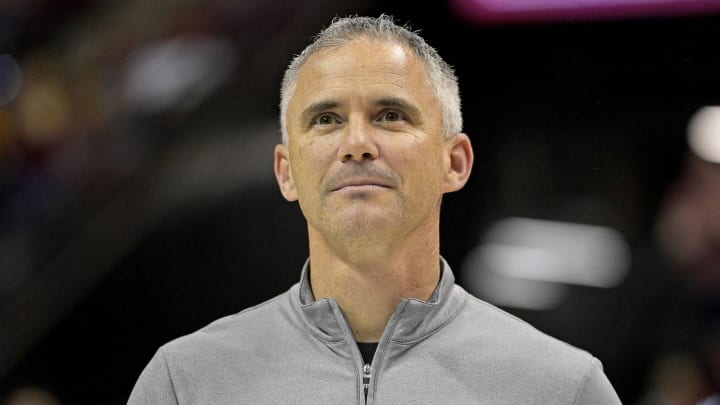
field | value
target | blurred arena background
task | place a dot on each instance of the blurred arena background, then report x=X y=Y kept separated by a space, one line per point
x=138 y=203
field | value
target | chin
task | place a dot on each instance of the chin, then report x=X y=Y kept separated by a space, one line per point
x=366 y=226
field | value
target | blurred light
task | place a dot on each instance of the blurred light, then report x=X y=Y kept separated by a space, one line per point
x=44 y=108
x=704 y=133
x=554 y=10
x=526 y=262
x=11 y=79
x=31 y=395
x=508 y=291
x=528 y=5
x=555 y=251
x=177 y=73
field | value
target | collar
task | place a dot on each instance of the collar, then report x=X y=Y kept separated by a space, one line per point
x=412 y=320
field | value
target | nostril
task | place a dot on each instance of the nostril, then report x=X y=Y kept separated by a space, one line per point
x=360 y=156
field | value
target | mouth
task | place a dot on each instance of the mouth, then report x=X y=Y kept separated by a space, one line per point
x=361 y=185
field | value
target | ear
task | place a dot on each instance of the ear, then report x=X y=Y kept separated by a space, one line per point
x=460 y=154
x=282 y=173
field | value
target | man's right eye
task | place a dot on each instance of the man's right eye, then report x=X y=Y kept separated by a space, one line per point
x=324 y=119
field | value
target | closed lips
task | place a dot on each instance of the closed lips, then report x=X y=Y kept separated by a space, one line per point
x=361 y=182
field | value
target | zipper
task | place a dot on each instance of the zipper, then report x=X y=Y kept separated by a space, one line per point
x=366 y=379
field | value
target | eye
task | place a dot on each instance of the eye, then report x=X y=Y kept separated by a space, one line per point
x=325 y=119
x=391 y=116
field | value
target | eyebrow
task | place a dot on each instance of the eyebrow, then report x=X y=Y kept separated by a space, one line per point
x=385 y=102
x=318 y=107
x=399 y=103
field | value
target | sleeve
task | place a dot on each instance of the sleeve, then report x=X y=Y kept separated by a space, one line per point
x=596 y=388
x=154 y=386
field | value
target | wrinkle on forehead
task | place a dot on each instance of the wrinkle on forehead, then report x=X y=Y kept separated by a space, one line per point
x=365 y=70
x=380 y=56
x=395 y=52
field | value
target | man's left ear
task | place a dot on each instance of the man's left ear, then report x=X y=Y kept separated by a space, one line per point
x=460 y=154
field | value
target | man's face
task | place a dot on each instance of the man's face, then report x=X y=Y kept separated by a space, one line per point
x=366 y=156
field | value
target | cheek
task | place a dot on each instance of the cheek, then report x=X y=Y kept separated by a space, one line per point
x=422 y=179
x=303 y=175
x=308 y=167
x=424 y=164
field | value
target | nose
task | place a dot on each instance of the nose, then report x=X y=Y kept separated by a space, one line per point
x=358 y=143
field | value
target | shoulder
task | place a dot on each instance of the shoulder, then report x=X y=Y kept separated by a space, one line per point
x=513 y=347
x=500 y=327
x=236 y=333
x=197 y=365
x=519 y=345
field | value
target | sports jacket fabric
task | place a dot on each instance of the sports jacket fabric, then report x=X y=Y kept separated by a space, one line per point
x=293 y=349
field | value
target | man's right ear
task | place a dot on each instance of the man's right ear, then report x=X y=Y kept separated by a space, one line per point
x=283 y=174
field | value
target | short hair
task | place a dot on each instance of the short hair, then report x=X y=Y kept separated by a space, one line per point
x=344 y=30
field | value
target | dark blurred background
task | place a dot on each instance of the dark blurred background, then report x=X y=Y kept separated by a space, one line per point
x=138 y=202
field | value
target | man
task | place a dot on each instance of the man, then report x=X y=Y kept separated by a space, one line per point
x=371 y=123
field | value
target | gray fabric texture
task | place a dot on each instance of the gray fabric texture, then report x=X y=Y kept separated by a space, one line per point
x=293 y=349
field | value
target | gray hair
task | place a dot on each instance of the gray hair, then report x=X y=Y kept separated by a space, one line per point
x=343 y=30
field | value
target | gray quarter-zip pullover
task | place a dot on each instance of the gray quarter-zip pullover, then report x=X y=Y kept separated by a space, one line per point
x=451 y=349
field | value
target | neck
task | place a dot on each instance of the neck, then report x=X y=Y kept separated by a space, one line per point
x=368 y=282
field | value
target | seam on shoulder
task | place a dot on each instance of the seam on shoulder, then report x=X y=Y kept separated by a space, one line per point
x=167 y=368
x=500 y=311
x=262 y=304
x=242 y=312
x=584 y=378
x=523 y=322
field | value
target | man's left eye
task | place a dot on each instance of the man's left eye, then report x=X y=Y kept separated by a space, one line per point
x=391 y=115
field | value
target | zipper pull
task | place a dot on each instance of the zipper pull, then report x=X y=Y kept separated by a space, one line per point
x=366 y=379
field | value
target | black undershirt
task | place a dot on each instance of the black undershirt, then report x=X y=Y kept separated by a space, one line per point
x=367 y=350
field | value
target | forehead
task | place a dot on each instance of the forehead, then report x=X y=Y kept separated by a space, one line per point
x=366 y=67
